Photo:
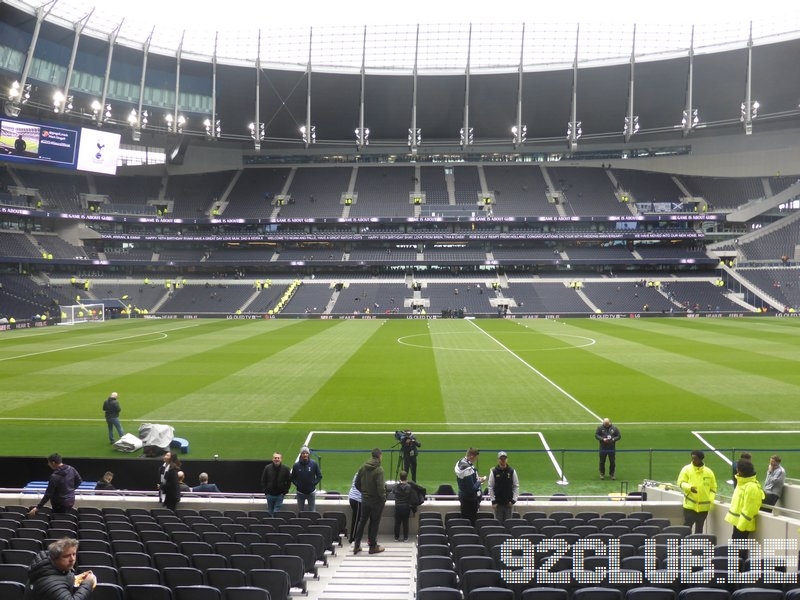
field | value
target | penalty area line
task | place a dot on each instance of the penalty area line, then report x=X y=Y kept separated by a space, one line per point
x=552 y=457
x=699 y=436
x=538 y=434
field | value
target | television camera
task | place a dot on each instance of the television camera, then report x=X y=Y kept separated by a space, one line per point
x=402 y=436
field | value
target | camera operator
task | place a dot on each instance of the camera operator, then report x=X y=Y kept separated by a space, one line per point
x=408 y=450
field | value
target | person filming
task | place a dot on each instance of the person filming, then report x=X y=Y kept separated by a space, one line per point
x=409 y=451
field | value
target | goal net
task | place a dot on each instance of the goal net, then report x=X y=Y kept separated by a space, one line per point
x=82 y=313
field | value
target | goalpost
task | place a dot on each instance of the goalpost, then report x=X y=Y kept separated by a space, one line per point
x=82 y=313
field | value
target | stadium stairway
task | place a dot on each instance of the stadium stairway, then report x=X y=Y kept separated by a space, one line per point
x=385 y=576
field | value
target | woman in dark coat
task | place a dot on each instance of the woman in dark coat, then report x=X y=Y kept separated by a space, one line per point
x=170 y=488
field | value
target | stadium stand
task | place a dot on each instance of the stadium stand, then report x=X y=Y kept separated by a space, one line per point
x=383 y=192
x=518 y=190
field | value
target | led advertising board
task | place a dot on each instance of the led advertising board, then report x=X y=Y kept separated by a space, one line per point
x=37 y=143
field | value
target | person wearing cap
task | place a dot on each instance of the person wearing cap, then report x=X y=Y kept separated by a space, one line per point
x=469 y=485
x=370 y=481
x=699 y=485
x=744 y=456
x=746 y=502
x=306 y=474
x=112 y=409
x=608 y=435
x=503 y=488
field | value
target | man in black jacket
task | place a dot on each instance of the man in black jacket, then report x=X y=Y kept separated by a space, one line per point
x=409 y=451
x=371 y=482
x=608 y=436
x=275 y=481
x=112 y=409
x=60 y=492
x=503 y=487
x=51 y=575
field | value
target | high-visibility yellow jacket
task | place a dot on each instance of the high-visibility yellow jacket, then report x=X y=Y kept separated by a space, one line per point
x=704 y=481
x=745 y=504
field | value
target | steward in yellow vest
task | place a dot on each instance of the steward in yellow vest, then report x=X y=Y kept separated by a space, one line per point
x=746 y=501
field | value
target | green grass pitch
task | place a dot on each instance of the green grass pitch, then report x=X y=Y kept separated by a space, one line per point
x=533 y=387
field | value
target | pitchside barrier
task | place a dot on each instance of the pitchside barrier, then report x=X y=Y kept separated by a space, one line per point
x=633 y=465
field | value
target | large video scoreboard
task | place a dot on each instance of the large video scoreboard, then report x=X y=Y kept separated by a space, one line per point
x=84 y=149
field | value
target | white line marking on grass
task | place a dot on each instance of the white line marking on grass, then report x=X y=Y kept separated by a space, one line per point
x=538 y=372
x=423 y=425
x=484 y=432
x=109 y=341
x=710 y=447
x=404 y=340
x=756 y=431
x=538 y=434
x=693 y=423
x=699 y=436
x=550 y=454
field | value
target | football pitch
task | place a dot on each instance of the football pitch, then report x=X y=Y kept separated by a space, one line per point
x=536 y=388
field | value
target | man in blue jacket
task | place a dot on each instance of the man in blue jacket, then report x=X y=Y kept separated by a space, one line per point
x=205 y=486
x=60 y=492
x=306 y=474
x=469 y=485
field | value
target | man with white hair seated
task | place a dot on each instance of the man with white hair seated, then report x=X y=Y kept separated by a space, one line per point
x=204 y=485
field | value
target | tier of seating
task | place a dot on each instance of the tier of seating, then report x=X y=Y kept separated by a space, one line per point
x=21 y=297
x=471 y=561
x=519 y=190
x=781 y=283
x=169 y=551
x=775 y=244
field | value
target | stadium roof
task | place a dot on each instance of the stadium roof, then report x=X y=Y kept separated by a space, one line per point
x=495 y=38
x=356 y=72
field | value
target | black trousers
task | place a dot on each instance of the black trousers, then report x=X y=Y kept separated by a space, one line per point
x=410 y=467
x=469 y=508
x=693 y=519
x=402 y=513
x=737 y=534
x=355 y=517
x=370 y=511
x=612 y=462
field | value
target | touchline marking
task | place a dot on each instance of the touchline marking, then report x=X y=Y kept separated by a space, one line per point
x=538 y=372
x=699 y=436
x=538 y=434
x=111 y=341
x=429 y=424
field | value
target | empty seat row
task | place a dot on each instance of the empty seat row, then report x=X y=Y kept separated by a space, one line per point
x=603 y=593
